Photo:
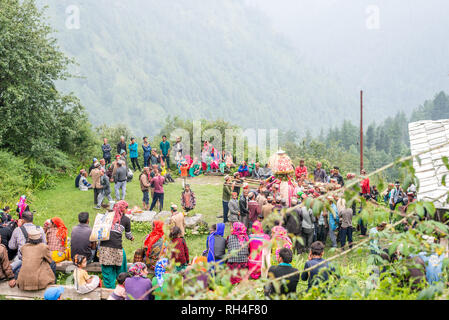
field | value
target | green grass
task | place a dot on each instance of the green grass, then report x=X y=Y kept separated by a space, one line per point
x=65 y=201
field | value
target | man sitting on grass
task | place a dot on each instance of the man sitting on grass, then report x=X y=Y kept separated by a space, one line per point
x=320 y=273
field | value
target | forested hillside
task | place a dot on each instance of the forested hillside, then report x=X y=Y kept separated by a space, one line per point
x=384 y=141
x=144 y=60
x=395 y=52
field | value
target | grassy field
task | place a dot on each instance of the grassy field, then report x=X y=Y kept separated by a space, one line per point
x=66 y=201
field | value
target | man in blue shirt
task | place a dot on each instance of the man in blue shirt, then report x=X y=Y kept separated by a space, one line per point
x=165 y=151
x=320 y=273
x=134 y=154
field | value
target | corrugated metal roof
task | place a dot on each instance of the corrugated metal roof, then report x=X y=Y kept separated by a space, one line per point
x=425 y=135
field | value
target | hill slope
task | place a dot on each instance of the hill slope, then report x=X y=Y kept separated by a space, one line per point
x=214 y=59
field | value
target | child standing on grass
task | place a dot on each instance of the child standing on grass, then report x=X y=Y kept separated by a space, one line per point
x=119 y=291
x=83 y=282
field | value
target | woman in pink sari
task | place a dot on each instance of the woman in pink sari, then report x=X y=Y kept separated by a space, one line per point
x=259 y=259
x=280 y=240
x=22 y=206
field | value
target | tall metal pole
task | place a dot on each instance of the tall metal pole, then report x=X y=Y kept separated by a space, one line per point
x=361 y=131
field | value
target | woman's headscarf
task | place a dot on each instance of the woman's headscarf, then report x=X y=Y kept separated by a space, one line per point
x=155 y=235
x=239 y=230
x=137 y=269
x=211 y=241
x=279 y=233
x=119 y=209
x=61 y=234
x=159 y=271
x=257 y=227
x=22 y=204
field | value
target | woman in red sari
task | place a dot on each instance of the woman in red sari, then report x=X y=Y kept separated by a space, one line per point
x=259 y=254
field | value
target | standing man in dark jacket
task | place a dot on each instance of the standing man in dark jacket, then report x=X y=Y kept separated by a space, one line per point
x=244 y=212
x=146 y=152
x=293 y=223
x=121 y=145
x=308 y=226
x=120 y=180
x=106 y=148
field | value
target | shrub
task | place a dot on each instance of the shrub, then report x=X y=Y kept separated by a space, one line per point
x=14 y=178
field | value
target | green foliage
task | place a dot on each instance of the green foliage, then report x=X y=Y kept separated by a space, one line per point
x=14 y=178
x=48 y=129
x=173 y=123
x=190 y=61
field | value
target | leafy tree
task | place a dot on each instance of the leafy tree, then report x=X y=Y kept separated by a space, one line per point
x=37 y=119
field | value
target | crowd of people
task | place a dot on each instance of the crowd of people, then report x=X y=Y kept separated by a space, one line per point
x=269 y=222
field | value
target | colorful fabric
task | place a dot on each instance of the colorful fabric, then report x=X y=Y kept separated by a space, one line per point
x=211 y=241
x=164 y=146
x=202 y=261
x=180 y=251
x=301 y=172
x=239 y=250
x=119 y=209
x=159 y=271
x=110 y=256
x=59 y=256
x=237 y=269
x=158 y=251
x=137 y=269
x=281 y=239
x=188 y=200
x=53 y=242
x=256 y=242
x=22 y=205
x=62 y=230
x=133 y=150
x=365 y=186
x=154 y=236
x=239 y=230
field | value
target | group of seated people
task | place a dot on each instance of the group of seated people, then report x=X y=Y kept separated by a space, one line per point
x=30 y=253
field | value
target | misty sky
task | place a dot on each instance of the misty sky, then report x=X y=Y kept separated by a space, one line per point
x=408 y=40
